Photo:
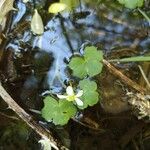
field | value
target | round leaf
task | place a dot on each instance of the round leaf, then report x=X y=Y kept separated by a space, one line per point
x=91 y=52
x=58 y=112
x=90 y=95
x=78 y=65
x=89 y=65
x=88 y=85
x=93 y=67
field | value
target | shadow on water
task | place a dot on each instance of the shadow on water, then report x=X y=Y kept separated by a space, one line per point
x=35 y=65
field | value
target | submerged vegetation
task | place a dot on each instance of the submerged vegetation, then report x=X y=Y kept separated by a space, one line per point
x=75 y=70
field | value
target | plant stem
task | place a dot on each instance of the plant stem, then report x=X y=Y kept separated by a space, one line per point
x=144 y=76
x=144 y=14
x=124 y=78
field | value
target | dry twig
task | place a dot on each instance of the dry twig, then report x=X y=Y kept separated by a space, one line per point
x=124 y=78
x=43 y=132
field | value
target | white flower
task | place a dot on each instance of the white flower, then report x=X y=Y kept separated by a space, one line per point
x=71 y=96
x=45 y=143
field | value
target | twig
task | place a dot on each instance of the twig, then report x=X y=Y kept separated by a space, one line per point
x=43 y=132
x=124 y=78
x=144 y=76
x=7 y=116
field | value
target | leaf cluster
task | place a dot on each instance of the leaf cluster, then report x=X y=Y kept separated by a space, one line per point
x=60 y=111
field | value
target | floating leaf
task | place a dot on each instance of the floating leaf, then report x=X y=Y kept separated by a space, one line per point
x=90 y=95
x=37 y=26
x=132 y=3
x=57 y=7
x=58 y=112
x=89 y=64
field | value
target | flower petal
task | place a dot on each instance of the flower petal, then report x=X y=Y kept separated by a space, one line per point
x=80 y=93
x=79 y=102
x=69 y=90
x=61 y=96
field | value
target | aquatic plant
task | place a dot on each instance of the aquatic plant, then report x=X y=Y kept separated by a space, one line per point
x=61 y=108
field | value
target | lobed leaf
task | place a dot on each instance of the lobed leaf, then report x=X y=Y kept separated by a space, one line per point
x=58 y=112
x=91 y=52
x=78 y=65
x=89 y=64
x=90 y=95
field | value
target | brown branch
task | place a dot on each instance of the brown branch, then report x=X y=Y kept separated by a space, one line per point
x=43 y=132
x=124 y=78
x=9 y=117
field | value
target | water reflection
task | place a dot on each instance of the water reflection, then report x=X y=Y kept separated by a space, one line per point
x=64 y=34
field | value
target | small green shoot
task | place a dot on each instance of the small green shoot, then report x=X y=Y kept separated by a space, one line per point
x=145 y=15
x=132 y=59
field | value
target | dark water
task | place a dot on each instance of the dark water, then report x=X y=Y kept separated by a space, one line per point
x=40 y=62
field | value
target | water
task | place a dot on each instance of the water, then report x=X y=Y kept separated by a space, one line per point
x=41 y=61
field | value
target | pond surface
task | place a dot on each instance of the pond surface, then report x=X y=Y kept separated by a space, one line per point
x=34 y=65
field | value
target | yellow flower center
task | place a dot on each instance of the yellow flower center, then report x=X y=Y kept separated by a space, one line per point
x=71 y=97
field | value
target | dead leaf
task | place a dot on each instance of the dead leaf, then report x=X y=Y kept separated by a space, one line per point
x=5 y=7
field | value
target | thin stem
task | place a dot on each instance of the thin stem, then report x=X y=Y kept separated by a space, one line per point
x=8 y=116
x=80 y=5
x=124 y=78
x=145 y=15
x=144 y=76
x=65 y=33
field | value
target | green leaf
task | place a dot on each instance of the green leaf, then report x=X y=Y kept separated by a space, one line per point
x=58 y=112
x=91 y=52
x=132 y=3
x=90 y=95
x=88 y=85
x=71 y=4
x=78 y=65
x=89 y=64
x=93 y=67
x=56 y=8
x=132 y=59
